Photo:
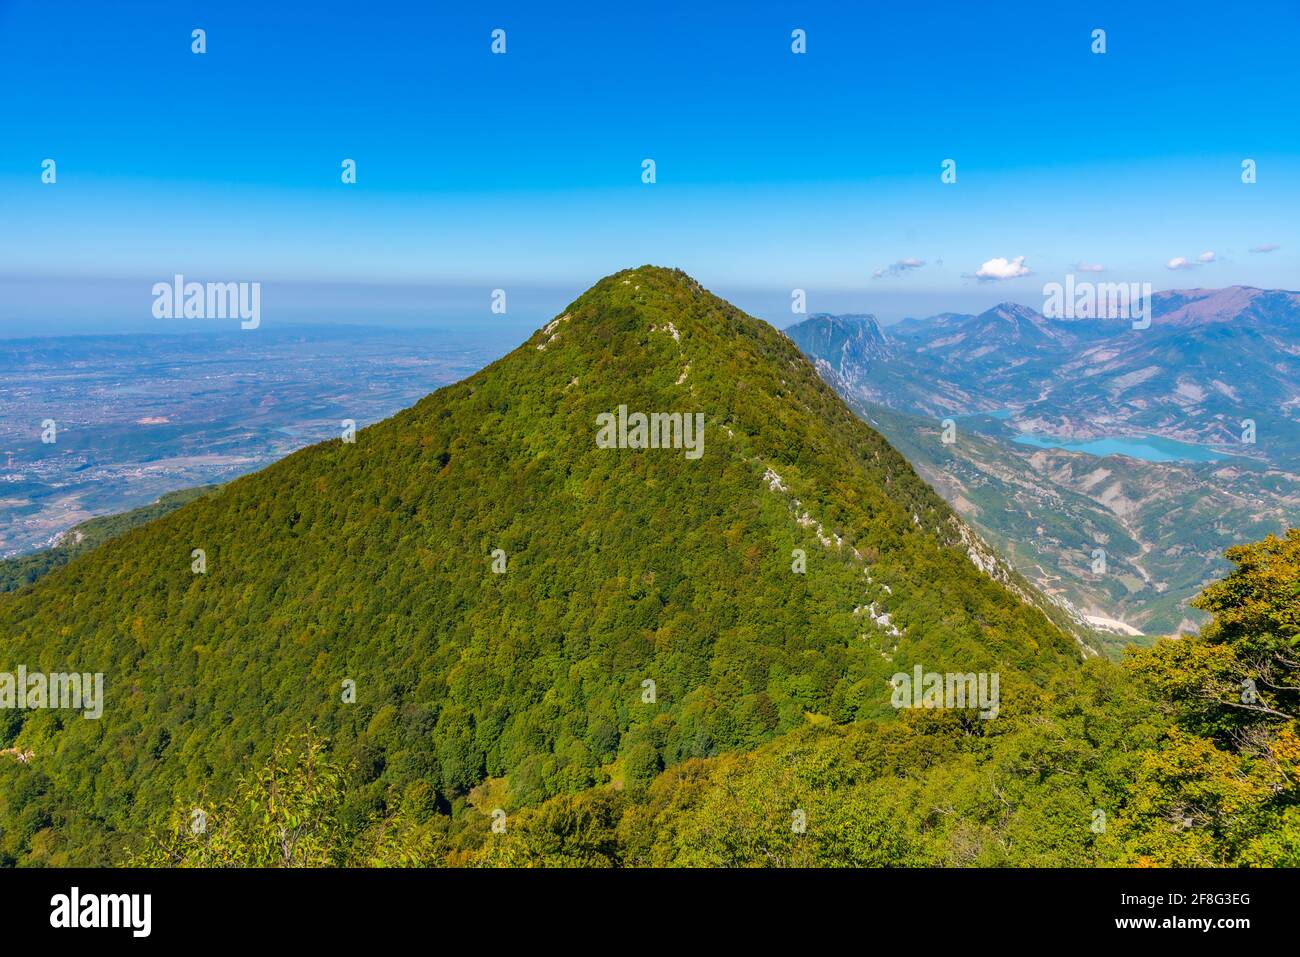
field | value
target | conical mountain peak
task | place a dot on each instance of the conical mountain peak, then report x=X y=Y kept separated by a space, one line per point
x=655 y=487
x=643 y=299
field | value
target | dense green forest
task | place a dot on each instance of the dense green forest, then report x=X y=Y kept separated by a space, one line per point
x=1166 y=759
x=634 y=655
x=25 y=569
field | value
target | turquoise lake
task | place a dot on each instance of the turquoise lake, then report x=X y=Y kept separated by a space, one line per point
x=1149 y=448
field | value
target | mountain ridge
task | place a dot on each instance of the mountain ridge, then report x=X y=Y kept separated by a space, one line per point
x=1193 y=375
x=1216 y=304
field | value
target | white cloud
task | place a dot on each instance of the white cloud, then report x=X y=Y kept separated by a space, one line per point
x=898 y=268
x=1090 y=267
x=1265 y=248
x=1182 y=262
x=1001 y=268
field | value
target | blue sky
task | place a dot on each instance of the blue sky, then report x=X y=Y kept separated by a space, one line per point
x=775 y=170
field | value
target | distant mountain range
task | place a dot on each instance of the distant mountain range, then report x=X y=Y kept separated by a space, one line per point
x=1210 y=358
x=1215 y=368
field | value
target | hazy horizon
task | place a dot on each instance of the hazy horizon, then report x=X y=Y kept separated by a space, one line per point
x=33 y=307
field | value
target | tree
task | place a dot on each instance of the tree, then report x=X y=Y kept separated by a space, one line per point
x=286 y=814
x=1225 y=786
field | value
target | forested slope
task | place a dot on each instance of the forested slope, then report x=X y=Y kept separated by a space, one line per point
x=25 y=569
x=376 y=563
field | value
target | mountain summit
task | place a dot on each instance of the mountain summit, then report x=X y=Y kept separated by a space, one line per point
x=528 y=581
x=851 y=344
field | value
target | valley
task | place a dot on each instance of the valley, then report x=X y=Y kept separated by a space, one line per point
x=1072 y=444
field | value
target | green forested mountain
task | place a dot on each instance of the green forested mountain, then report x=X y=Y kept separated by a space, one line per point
x=481 y=608
x=373 y=563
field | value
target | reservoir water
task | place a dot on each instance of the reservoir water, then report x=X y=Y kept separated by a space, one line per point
x=1149 y=448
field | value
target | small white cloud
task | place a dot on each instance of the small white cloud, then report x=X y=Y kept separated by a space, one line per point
x=1265 y=248
x=898 y=268
x=1180 y=262
x=1090 y=267
x=1206 y=257
x=1000 y=268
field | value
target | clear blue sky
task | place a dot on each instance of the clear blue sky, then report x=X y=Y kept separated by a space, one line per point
x=775 y=171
